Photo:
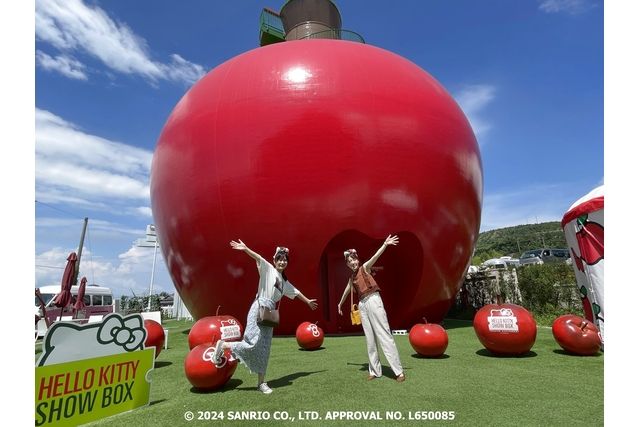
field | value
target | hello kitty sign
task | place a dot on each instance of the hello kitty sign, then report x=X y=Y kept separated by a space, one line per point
x=88 y=372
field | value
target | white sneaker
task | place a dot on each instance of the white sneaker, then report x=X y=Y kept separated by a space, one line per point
x=217 y=352
x=265 y=388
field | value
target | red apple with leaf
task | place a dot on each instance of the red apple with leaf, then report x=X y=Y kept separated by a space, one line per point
x=210 y=329
x=309 y=336
x=505 y=329
x=428 y=339
x=576 y=335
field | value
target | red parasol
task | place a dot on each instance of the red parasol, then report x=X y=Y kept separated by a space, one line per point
x=79 y=305
x=64 y=297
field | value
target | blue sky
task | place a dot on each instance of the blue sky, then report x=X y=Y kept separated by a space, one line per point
x=528 y=74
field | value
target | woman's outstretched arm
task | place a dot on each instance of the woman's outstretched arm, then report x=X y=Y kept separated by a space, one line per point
x=310 y=302
x=241 y=246
x=390 y=240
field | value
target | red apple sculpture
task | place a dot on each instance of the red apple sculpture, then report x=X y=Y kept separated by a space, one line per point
x=428 y=339
x=210 y=329
x=203 y=373
x=155 y=335
x=309 y=336
x=506 y=329
x=576 y=335
x=292 y=136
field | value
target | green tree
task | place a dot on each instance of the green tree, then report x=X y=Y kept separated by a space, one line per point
x=547 y=287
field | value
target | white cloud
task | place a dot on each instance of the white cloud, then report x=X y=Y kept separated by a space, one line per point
x=96 y=226
x=73 y=26
x=182 y=70
x=529 y=205
x=65 y=65
x=572 y=7
x=82 y=169
x=144 y=210
x=473 y=99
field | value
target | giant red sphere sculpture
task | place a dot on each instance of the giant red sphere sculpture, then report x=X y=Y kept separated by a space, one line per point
x=505 y=329
x=318 y=145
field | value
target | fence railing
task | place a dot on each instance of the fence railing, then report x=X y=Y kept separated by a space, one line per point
x=336 y=34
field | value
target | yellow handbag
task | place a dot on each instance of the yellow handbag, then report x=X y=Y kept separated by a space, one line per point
x=355 y=316
x=355 y=313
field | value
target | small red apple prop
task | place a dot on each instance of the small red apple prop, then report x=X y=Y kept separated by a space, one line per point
x=155 y=335
x=210 y=329
x=203 y=373
x=506 y=329
x=309 y=335
x=428 y=339
x=576 y=335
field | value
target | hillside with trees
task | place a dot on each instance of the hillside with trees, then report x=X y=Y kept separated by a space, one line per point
x=512 y=241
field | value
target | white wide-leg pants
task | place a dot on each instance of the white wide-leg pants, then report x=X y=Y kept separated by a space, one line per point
x=377 y=332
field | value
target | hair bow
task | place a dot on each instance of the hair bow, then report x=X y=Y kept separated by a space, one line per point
x=350 y=252
x=281 y=250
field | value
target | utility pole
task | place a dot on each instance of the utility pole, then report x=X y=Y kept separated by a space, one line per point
x=150 y=240
x=77 y=266
x=153 y=270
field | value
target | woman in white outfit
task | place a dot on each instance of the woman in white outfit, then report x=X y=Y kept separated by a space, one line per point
x=254 y=349
x=374 y=317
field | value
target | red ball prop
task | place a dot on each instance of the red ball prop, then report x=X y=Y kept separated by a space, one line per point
x=506 y=330
x=201 y=371
x=210 y=329
x=292 y=136
x=309 y=336
x=155 y=335
x=428 y=339
x=576 y=335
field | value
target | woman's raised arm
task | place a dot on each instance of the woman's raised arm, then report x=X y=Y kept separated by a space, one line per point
x=390 y=240
x=241 y=246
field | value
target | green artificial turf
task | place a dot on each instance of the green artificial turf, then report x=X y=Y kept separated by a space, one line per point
x=544 y=387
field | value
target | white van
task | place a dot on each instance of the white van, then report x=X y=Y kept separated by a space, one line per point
x=98 y=301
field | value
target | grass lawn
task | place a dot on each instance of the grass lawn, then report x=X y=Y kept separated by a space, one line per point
x=545 y=387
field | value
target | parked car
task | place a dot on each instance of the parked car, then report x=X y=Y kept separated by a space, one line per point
x=511 y=262
x=555 y=255
x=544 y=255
x=531 y=257
x=494 y=264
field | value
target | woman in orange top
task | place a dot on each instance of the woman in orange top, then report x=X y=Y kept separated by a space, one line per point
x=374 y=317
